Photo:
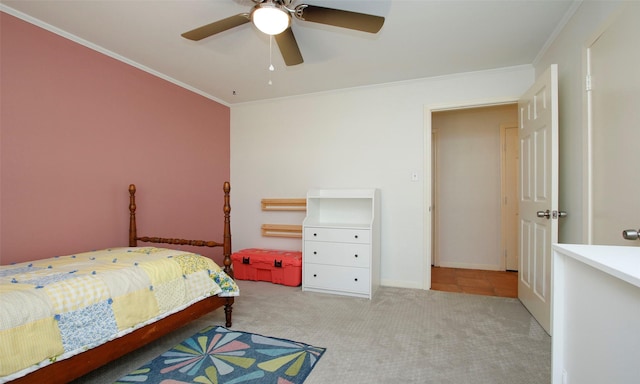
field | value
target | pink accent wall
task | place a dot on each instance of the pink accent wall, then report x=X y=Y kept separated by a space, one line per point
x=77 y=127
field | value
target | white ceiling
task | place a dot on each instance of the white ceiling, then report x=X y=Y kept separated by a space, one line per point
x=419 y=39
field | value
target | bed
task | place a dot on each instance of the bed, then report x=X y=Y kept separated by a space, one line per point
x=84 y=310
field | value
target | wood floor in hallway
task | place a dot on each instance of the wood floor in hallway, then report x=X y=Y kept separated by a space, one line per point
x=475 y=281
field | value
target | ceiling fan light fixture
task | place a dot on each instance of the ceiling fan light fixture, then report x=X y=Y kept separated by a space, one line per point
x=270 y=18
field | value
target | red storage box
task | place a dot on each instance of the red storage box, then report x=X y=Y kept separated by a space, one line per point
x=278 y=267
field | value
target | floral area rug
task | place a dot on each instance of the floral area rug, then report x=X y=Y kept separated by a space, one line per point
x=217 y=355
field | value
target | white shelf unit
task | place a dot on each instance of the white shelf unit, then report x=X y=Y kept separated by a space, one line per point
x=341 y=242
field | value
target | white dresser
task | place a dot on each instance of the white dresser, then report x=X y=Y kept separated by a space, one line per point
x=596 y=314
x=341 y=242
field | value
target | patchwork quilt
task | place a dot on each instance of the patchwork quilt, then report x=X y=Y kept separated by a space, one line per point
x=55 y=308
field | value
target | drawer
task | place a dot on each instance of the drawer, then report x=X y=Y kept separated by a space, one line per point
x=362 y=236
x=345 y=254
x=345 y=279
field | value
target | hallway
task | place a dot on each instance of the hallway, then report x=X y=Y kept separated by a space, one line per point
x=475 y=281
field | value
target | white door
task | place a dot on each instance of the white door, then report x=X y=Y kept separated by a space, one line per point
x=538 y=134
x=614 y=65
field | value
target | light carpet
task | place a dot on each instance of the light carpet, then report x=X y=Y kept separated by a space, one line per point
x=401 y=336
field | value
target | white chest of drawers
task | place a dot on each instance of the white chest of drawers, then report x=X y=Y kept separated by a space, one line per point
x=341 y=237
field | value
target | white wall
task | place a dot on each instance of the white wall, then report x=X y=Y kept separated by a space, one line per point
x=364 y=137
x=568 y=50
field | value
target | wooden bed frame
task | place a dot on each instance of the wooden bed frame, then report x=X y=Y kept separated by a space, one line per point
x=76 y=366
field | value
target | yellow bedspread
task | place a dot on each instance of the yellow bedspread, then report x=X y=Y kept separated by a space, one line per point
x=55 y=308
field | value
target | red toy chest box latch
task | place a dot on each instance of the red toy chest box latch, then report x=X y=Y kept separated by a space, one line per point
x=276 y=266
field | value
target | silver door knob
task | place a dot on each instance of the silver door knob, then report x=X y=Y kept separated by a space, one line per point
x=546 y=214
x=558 y=214
x=631 y=234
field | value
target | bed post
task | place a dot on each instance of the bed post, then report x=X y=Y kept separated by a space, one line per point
x=133 y=232
x=227 y=230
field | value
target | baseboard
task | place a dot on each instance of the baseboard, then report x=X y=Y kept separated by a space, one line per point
x=485 y=267
x=401 y=284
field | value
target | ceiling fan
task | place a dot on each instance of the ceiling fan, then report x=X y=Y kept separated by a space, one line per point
x=273 y=17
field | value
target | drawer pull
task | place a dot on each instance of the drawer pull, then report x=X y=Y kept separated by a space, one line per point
x=356 y=255
x=315 y=234
x=315 y=275
x=315 y=253
x=356 y=236
x=356 y=279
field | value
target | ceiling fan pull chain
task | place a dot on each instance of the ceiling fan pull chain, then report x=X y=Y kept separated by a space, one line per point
x=271 y=68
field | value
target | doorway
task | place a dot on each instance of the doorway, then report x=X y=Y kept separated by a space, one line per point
x=473 y=179
x=509 y=164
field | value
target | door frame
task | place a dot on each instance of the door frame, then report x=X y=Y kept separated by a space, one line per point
x=587 y=124
x=427 y=177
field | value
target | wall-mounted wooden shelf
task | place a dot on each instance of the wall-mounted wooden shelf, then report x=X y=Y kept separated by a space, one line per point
x=281 y=230
x=284 y=204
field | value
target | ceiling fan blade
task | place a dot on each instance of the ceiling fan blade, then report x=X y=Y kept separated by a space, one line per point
x=339 y=18
x=289 y=47
x=217 y=27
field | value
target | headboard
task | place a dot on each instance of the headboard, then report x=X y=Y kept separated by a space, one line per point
x=226 y=243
